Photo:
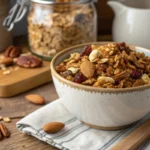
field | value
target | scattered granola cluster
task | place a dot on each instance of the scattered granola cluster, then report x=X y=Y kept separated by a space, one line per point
x=53 y=28
x=107 y=66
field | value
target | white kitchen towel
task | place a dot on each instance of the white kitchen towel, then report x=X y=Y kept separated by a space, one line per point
x=75 y=135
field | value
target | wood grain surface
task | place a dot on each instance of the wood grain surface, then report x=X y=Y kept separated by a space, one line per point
x=16 y=108
x=19 y=141
x=134 y=140
x=23 y=79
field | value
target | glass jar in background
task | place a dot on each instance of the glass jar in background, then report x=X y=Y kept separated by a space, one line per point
x=55 y=26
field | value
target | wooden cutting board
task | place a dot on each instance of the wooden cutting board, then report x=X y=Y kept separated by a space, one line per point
x=22 y=79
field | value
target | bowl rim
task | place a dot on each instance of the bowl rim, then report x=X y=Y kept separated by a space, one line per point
x=90 y=88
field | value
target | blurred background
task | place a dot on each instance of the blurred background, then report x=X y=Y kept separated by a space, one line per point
x=105 y=18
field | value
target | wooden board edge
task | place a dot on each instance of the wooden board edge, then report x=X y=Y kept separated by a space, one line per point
x=25 y=85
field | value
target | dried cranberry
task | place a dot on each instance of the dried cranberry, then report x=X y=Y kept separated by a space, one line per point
x=86 y=51
x=122 y=46
x=66 y=73
x=136 y=74
x=79 y=78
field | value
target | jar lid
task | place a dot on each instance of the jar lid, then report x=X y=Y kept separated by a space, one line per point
x=55 y=1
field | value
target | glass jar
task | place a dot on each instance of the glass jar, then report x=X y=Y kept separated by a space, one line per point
x=55 y=26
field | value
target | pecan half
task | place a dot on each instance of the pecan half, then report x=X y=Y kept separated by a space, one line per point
x=4 y=130
x=12 y=51
x=29 y=61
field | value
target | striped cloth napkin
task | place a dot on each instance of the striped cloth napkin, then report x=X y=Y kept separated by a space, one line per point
x=75 y=135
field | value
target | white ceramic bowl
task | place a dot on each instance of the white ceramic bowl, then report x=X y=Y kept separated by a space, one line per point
x=100 y=108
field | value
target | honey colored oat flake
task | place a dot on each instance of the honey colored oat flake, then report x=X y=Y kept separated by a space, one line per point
x=114 y=65
x=59 y=27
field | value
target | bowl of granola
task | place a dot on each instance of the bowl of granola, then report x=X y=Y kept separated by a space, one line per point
x=105 y=85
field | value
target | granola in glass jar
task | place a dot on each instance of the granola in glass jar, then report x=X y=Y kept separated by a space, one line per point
x=54 y=27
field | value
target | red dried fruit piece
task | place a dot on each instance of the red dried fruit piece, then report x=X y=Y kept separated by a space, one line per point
x=86 y=51
x=136 y=74
x=122 y=46
x=79 y=78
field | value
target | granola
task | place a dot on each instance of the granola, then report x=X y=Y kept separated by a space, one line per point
x=114 y=65
x=54 y=28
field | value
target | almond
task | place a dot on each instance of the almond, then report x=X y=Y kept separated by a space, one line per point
x=35 y=98
x=6 y=61
x=53 y=127
x=87 y=69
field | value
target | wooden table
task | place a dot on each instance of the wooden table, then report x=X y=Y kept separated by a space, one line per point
x=16 y=108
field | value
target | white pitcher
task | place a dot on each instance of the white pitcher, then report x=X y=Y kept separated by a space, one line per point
x=132 y=21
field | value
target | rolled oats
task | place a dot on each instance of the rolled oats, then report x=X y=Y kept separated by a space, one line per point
x=59 y=27
x=124 y=68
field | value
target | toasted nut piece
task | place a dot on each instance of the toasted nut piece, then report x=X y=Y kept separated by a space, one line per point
x=70 y=78
x=1 y=118
x=94 y=55
x=12 y=51
x=4 y=130
x=138 y=82
x=35 y=98
x=6 y=61
x=29 y=61
x=103 y=80
x=87 y=69
x=111 y=52
x=53 y=127
x=89 y=81
x=7 y=120
x=96 y=84
x=73 y=70
x=117 y=71
x=145 y=78
x=102 y=61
